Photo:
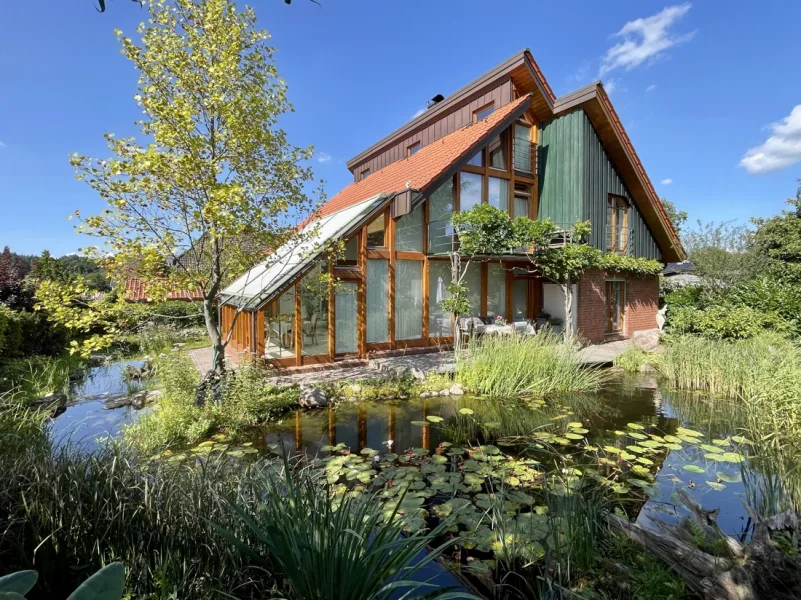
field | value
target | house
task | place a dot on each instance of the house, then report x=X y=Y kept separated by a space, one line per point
x=679 y=274
x=136 y=291
x=504 y=139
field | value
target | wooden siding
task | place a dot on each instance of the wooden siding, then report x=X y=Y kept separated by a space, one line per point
x=561 y=169
x=434 y=130
x=601 y=179
x=242 y=337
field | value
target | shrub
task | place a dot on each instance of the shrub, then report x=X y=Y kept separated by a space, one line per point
x=37 y=376
x=540 y=365
x=631 y=360
x=28 y=334
x=770 y=296
x=687 y=295
x=174 y=313
x=724 y=321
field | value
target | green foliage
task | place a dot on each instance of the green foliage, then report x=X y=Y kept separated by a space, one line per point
x=687 y=295
x=723 y=321
x=636 y=266
x=539 y=365
x=173 y=313
x=484 y=230
x=217 y=181
x=34 y=377
x=106 y=584
x=778 y=239
x=247 y=398
x=27 y=334
x=722 y=254
x=769 y=296
x=678 y=218
x=631 y=360
x=353 y=545
x=457 y=302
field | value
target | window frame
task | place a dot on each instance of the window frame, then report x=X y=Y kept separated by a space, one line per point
x=365 y=173
x=413 y=149
x=614 y=203
x=481 y=109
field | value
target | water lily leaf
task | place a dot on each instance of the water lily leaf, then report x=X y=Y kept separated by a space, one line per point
x=640 y=470
x=672 y=439
x=645 y=461
x=711 y=448
x=473 y=479
x=618 y=432
x=580 y=430
x=690 y=432
x=652 y=444
x=369 y=452
x=619 y=488
x=420 y=451
x=466 y=411
x=435 y=419
x=445 y=444
x=724 y=443
x=19 y=583
x=366 y=476
x=694 y=469
x=627 y=456
x=420 y=423
x=574 y=424
x=491 y=450
x=729 y=477
x=638 y=436
x=741 y=440
x=574 y=436
x=637 y=449
x=672 y=446
x=711 y=456
x=438 y=459
x=689 y=439
x=732 y=457
x=635 y=426
x=716 y=486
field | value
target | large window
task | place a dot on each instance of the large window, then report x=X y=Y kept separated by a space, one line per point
x=522 y=205
x=615 y=302
x=439 y=215
x=470 y=185
x=376 y=233
x=496 y=290
x=408 y=299
x=497 y=153
x=377 y=300
x=519 y=299
x=350 y=258
x=346 y=318
x=617 y=220
x=523 y=155
x=499 y=193
x=409 y=231
x=439 y=320
x=314 y=312
x=472 y=281
x=279 y=326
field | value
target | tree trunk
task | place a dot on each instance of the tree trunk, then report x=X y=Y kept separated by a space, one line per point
x=567 y=289
x=213 y=328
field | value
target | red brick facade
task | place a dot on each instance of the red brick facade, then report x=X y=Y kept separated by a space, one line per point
x=642 y=303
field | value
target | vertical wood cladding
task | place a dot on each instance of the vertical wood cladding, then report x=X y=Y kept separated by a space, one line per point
x=434 y=130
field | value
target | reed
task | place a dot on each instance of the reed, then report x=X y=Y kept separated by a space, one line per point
x=539 y=365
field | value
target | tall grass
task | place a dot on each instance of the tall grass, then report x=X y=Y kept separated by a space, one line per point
x=35 y=377
x=539 y=365
x=764 y=374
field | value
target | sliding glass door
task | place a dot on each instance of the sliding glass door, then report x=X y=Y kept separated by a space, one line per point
x=346 y=307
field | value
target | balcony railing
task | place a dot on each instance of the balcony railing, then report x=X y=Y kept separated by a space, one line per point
x=442 y=238
x=618 y=239
x=524 y=156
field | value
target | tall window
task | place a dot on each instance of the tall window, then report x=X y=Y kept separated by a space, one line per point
x=376 y=232
x=522 y=148
x=439 y=217
x=617 y=220
x=496 y=290
x=439 y=320
x=615 y=302
x=497 y=153
x=409 y=231
x=350 y=260
x=408 y=299
x=469 y=190
x=314 y=308
x=377 y=300
x=522 y=205
x=498 y=194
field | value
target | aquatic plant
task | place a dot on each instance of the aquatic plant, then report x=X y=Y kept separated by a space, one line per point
x=631 y=360
x=35 y=377
x=539 y=365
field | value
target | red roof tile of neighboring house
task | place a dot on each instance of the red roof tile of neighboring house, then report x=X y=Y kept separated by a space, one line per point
x=135 y=291
x=426 y=165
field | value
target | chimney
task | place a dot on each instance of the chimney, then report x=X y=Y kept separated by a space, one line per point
x=435 y=100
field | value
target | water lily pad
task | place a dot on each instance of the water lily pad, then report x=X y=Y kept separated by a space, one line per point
x=627 y=456
x=637 y=449
x=672 y=446
x=672 y=439
x=694 y=469
x=741 y=440
x=690 y=432
x=466 y=411
x=732 y=457
x=580 y=430
x=421 y=423
x=574 y=436
x=369 y=452
x=491 y=450
x=729 y=477
x=716 y=486
x=439 y=459
x=645 y=461
x=640 y=470
x=434 y=419
x=575 y=424
x=638 y=436
x=712 y=456
x=420 y=451
x=723 y=443
x=711 y=448
x=635 y=426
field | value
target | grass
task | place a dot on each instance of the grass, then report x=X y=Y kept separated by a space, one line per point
x=538 y=365
x=247 y=400
x=31 y=378
x=631 y=360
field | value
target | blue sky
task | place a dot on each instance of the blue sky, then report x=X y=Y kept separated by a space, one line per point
x=710 y=92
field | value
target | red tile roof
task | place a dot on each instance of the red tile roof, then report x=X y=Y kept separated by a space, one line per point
x=426 y=165
x=136 y=291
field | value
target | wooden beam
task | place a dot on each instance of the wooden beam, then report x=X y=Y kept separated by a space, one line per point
x=298 y=326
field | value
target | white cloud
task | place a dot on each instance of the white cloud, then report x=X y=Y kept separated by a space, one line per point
x=581 y=73
x=323 y=157
x=667 y=181
x=610 y=85
x=645 y=39
x=418 y=113
x=651 y=88
x=780 y=150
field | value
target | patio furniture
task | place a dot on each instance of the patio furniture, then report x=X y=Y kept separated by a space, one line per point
x=499 y=330
x=310 y=328
x=471 y=326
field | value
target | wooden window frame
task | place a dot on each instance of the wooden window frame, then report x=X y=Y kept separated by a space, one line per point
x=613 y=203
x=412 y=149
x=386 y=246
x=482 y=109
x=609 y=284
x=342 y=269
x=365 y=173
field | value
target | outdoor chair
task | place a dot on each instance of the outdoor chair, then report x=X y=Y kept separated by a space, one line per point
x=311 y=329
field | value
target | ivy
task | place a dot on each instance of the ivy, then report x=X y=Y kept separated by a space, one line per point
x=632 y=265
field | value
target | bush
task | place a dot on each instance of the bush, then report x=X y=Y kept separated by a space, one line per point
x=725 y=321
x=770 y=296
x=174 y=313
x=247 y=400
x=539 y=365
x=687 y=295
x=631 y=360
x=28 y=334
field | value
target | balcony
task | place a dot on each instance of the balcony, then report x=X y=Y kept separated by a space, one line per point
x=524 y=157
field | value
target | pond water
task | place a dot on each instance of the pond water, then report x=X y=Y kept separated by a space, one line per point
x=86 y=419
x=647 y=440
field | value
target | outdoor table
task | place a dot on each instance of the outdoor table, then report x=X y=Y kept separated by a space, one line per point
x=499 y=330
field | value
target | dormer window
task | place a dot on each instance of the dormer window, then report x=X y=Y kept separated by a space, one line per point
x=483 y=112
x=412 y=150
x=364 y=174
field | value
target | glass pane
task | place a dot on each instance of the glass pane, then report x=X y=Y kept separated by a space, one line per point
x=470 y=192
x=496 y=290
x=472 y=281
x=279 y=326
x=499 y=193
x=375 y=233
x=519 y=299
x=497 y=153
x=621 y=230
x=439 y=216
x=522 y=148
x=351 y=256
x=485 y=112
x=377 y=300
x=439 y=276
x=314 y=312
x=477 y=160
x=522 y=198
x=408 y=299
x=409 y=231
x=346 y=324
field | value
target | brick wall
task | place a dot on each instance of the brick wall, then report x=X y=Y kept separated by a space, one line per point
x=642 y=299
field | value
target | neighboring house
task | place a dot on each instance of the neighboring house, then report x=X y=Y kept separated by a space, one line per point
x=136 y=291
x=506 y=140
x=679 y=274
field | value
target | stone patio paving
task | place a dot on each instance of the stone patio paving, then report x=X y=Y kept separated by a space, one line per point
x=599 y=355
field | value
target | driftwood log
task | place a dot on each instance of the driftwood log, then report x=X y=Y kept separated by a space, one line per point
x=720 y=567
